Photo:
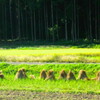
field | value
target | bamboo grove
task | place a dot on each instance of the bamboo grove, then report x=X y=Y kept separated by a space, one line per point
x=49 y=20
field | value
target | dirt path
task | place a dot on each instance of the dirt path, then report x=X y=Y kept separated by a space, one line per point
x=42 y=63
x=29 y=95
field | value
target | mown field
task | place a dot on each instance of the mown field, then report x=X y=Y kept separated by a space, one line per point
x=61 y=51
x=70 y=55
x=39 y=85
x=78 y=53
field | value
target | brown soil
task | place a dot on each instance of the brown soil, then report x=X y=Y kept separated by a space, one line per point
x=29 y=95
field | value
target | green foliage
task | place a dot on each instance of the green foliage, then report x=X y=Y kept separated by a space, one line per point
x=53 y=30
x=47 y=44
x=82 y=18
x=78 y=86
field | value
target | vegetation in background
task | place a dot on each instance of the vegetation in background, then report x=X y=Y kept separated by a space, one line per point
x=50 y=31
x=50 y=20
x=50 y=86
x=48 y=45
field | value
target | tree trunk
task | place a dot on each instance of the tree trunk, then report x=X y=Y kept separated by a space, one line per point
x=53 y=36
x=39 y=24
x=72 y=30
x=34 y=27
x=74 y=18
x=31 y=25
x=77 y=21
x=46 y=20
x=96 y=20
x=57 y=23
x=90 y=26
x=66 y=31
x=5 y=24
x=10 y=2
x=19 y=32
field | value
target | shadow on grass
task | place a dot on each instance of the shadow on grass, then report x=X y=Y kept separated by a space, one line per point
x=57 y=44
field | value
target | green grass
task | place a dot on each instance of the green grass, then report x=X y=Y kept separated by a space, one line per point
x=44 y=51
x=50 y=86
x=48 y=45
x=51 y=55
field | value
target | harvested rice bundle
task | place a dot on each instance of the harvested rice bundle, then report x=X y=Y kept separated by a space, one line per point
x=70 y=76
x=83 y=75
x=63 y=75
x=21 y=74
x=32 y=77
x=43 y=74
x=50 y=75
x=97 y=76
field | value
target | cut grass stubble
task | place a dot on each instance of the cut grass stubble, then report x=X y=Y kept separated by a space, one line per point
x=56 y=55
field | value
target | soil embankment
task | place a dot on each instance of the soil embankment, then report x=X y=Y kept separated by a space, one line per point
x=29 y=95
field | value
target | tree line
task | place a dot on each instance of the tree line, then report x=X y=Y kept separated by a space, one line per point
x=49 y=20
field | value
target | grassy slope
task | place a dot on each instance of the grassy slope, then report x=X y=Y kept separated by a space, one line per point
x=50 y=86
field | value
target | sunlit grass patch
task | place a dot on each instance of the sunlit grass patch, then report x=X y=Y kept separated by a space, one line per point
x=52 y=58
x=54 y=55
x=79 y=51
x=38 y=84
x=76 y=86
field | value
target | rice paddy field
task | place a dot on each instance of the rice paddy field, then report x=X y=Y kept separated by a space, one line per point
x=69 y=55
x=37 y=84
x=70 y=52
x=82 y=57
